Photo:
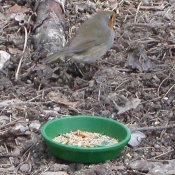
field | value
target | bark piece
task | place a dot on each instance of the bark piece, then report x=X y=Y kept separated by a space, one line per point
x=48 y=35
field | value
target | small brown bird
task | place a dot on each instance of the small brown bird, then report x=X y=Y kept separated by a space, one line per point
x=92 y=40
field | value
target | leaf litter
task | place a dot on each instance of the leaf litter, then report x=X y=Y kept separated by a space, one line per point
x=150 y=76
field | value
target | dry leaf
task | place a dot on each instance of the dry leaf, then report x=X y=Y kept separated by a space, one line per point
x=15 y=51
x=130 y=104
x=62 y=99
x=17 y=9
x=4 y=56
x=136 y=138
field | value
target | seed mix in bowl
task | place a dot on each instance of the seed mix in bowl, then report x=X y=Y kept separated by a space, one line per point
x=85 y=139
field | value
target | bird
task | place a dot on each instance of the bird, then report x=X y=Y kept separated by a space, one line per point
x=91 y=41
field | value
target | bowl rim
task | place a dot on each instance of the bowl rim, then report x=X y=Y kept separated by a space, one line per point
x=85 y=149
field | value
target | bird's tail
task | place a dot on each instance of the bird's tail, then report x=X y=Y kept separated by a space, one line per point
x=54 y=57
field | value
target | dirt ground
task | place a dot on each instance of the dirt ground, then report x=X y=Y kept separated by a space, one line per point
x=134 y=83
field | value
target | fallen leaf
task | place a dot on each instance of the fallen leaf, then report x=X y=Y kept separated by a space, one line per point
x=15 y=51
x=17 y=9
x=130 y=104
x=61 y=98
x=4 y=56
x=136 y=138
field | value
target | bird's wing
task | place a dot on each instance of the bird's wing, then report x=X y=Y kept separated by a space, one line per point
x=79 y=45
x=81 y=42
x=75 y=46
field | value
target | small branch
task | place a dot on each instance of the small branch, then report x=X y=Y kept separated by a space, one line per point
x=138 y=8
x=99 y=93
x=161 y=154
x=158 y=90
x=19 y=65
x=153 y=8
x=24 y=48
x=11 y=123
x=153 y=128
x=169 y=90
x=25 y=42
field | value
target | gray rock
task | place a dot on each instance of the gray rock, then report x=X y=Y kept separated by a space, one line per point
x=24 y=168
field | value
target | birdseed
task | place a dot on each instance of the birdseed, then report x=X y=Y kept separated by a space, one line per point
x=85 y=139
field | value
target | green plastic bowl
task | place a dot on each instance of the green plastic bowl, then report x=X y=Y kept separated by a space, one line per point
x=63 y=125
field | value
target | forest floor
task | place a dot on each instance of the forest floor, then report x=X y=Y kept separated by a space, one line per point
x=133 y=83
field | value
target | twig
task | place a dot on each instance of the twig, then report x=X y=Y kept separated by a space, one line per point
x=151 y=25
x=161 y=154
x=18 y=68
x=158 y=90
x=138 y=8
x=153 y=8
x=153 y=128
x=11 y=123
x=122 y=83
x=33 y=98
x=26 y=37
x=24 y=160
x=169 y=90
x=24 y=48
x=99 y=92
x=44 y=170
x=169 y=9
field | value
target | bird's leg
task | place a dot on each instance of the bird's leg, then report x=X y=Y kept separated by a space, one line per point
x=74 y=70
